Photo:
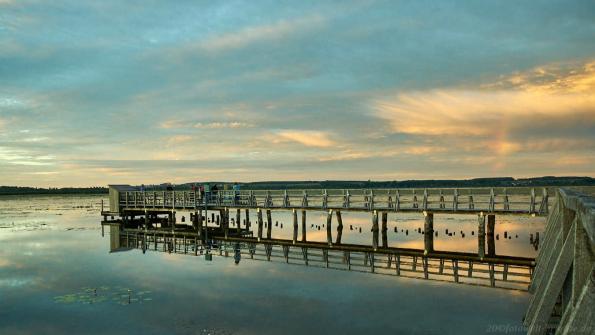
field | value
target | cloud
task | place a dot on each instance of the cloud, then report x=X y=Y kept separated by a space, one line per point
x=263 y=33
x=556 y=78
x=308 y=138
x=185 y=124
x=522 y=118
x=21 y=157
x=221 y=125
x=179 y=139
x=566 y=100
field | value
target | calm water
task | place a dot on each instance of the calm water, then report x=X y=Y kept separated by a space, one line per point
x=57 y=276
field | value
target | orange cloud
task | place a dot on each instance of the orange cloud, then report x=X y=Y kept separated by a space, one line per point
x=569 y=77
x=540 y=110
x=467 y=112
x=308 y=138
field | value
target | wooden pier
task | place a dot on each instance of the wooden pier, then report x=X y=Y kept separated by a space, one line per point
x=561 y=278
x=517 y=200
x=563 y=286
x=150 y=216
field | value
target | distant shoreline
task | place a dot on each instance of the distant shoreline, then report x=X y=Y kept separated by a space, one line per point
x=16 y=190
x=328 y=184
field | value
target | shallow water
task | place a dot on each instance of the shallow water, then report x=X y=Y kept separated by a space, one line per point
x=57 y=276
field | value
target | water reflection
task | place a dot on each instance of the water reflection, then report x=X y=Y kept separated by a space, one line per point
x=452 y=232
x=192 y=296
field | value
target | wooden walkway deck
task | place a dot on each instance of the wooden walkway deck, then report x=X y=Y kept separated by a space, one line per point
x=521 y=200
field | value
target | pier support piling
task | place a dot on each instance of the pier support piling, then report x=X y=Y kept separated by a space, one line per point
x=339 y=227
x=238 y=220
x=375 y=230
x=269 y=224
x=303 y=225
x=329 y=234
x=384 y=229
x=295 y=226
x=490 y=234
x=247 y=219
x=428 y=232
x=226 y=222
x=259 y=218
x=481 y=227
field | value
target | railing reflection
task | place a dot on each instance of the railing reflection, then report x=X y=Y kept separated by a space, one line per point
x=491 y=270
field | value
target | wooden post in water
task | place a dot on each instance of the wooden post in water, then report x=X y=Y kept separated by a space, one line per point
x=481 y=227
x=200 y=218
x=384 y=230
x=490 y=234
x=339 y=227
x=247 y=219
x=428 y=232
x=329 y=234
x=146 y=219
x=173 y=221
x=226 y=222
x=195 y=219
x=303 y=225
x=259 y=218
x=375 y=230
x=295 y=226
x=269 y=224
x=238 y=218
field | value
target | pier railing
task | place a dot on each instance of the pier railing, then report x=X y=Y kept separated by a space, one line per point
x=564 y=279
x=520 y=200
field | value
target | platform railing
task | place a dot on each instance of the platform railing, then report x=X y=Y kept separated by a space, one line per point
x=508 y=200
x=564 y=279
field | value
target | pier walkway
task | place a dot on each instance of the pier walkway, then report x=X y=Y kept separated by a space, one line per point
x=516 y=200
x=563 y=285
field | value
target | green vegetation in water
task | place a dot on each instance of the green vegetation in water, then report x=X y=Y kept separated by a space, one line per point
x=104 y=294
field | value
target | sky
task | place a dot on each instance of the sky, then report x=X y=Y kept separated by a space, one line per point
x=104 y=92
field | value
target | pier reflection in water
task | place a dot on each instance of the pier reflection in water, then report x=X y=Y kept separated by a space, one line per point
x=52 y=247
x=490 y=270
